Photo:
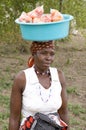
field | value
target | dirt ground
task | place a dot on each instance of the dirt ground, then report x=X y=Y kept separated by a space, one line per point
x=71 y=58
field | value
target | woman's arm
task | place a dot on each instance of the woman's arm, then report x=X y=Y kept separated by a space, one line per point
x=63 y=111
x=16 y=101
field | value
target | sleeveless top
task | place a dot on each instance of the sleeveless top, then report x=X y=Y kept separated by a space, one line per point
x=34 y=92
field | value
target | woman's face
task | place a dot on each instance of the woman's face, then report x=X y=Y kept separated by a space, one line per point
x=44 y=58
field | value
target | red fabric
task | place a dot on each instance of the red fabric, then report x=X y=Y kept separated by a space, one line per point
x=31 y=119
x=28 y=123
x=63 y=124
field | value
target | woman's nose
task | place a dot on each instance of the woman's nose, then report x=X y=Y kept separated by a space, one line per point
x=48 y=57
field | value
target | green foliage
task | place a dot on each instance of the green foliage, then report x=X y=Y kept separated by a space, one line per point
x=11 y=9
x=77 y=9
x=72 y=90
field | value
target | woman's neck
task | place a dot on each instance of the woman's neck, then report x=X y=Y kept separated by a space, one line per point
x=40 y=71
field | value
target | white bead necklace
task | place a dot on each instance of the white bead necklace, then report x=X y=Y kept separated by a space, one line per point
x=40 y=91
x=41 y=95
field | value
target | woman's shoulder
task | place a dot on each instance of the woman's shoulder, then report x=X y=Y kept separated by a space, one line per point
x=20 y=76
x=60 y=75
x=19 y=80
x=60 y=72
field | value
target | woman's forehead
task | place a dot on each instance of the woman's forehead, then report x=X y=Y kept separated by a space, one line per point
x=47 y=50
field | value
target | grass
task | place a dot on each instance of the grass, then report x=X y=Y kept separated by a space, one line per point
x=72 y=90
x=76 y=109
x=4 y=112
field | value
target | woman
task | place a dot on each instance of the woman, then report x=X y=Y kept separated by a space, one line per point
x=40 y=88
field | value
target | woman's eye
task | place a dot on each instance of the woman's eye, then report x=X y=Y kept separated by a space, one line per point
x=43 y=52
x=46 y=53
x=52 y=54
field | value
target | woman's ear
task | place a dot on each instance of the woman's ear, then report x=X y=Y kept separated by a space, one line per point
x=30 y=61
x=34 y=54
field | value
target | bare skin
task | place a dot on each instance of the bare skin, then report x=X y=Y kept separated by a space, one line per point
x=42 y=59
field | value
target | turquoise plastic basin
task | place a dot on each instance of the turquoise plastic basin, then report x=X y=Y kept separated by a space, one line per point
x=45 y=31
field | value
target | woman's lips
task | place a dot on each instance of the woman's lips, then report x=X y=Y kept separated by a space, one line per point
x=46 y=64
